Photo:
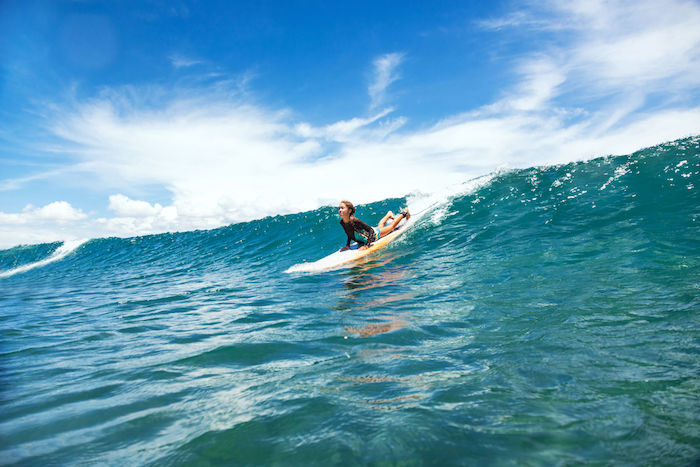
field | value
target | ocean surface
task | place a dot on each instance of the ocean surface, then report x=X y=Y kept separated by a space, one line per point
x=545 y=316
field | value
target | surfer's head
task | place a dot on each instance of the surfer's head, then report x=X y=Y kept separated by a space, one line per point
x=346 y=207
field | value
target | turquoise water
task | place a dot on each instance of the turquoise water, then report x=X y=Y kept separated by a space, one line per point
x=549 y=316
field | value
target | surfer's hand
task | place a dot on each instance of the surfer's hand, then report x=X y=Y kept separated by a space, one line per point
x=363 y=247
x=344 y=248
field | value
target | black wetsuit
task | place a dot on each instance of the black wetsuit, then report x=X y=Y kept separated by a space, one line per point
x=358 y=231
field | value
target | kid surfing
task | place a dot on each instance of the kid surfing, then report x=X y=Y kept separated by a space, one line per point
x=360 y=232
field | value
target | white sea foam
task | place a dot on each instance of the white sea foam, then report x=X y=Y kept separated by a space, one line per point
x=61 y=252
x=437 y=204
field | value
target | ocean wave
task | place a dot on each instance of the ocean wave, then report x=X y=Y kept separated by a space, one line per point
x=536 y=316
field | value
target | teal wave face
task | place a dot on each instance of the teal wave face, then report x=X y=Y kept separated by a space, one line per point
x=22 y=255
x=547 y=316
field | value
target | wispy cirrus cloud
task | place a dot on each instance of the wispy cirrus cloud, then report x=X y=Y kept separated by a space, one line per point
x=518 y=19
x=181 y=61
x=384 y=73
x=347 y=130
x=610 y=50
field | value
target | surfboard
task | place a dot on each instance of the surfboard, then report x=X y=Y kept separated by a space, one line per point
x=342 y=258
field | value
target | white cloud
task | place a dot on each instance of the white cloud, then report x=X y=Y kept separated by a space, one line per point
x=384 y=74
x=182 y=61
x=7 y=219
x=609 y=49
x=125 y=207
x=11 y=184
x=59 y=211
x=141 y=217
x=345 y=130
x=518 y=19
x=540 y=80
x=52 y=222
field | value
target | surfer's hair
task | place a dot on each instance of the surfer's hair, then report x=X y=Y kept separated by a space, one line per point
x=350 y=206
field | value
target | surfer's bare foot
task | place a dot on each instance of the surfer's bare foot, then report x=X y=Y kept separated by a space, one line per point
x=406 y=215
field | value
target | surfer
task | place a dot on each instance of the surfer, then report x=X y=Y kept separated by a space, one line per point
x=362 y=233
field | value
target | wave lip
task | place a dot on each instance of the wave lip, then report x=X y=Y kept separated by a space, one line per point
x=61 y=252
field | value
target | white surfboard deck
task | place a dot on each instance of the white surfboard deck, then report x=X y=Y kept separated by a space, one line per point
x=342 y=258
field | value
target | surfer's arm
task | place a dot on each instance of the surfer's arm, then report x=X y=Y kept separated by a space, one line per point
x=348 y=233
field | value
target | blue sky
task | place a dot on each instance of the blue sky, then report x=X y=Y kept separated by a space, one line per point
x=126 y=118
